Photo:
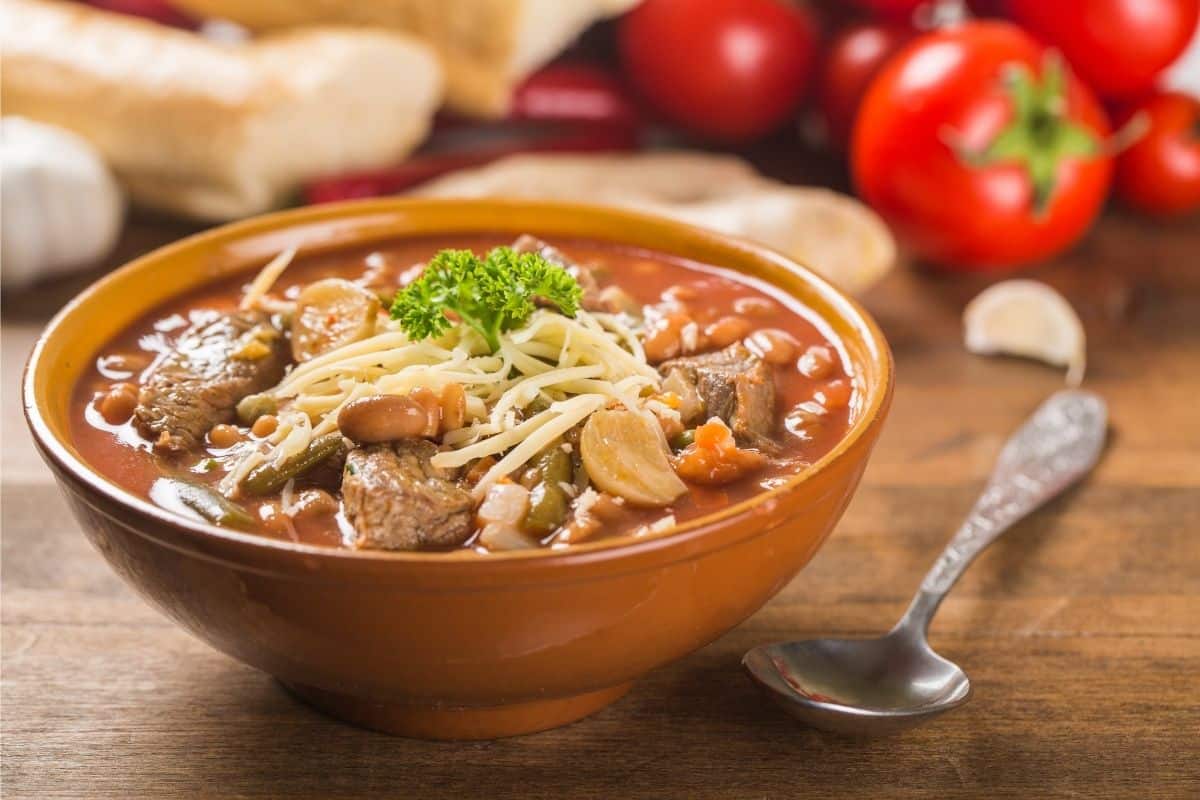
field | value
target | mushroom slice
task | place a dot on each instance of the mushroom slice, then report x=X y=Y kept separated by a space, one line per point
x=625 y=454
x=1027 y=318
x=330 y=313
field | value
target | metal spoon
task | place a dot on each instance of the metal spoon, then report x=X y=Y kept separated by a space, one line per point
x=875 y=686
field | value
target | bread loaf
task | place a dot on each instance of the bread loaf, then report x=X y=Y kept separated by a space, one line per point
x=486 y=46
x=216 y=131
x=832 y=233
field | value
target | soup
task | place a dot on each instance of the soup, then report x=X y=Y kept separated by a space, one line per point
x=465 y=393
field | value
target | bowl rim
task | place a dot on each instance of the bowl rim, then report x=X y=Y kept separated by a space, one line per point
x=878 y=394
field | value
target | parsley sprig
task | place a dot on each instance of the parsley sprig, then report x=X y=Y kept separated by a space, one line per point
x=491 y=295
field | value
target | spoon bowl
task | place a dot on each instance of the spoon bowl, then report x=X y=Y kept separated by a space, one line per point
x=895 y=681
x=878 y=686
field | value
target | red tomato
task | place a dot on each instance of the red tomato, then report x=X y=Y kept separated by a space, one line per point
x=890 y=9
x=729 y=70
x=1118 y=47
x=851 y=60
x=1160 y=173
x=981 y=149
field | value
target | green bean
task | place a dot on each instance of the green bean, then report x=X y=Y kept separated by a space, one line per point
x=555 y=465
x=580 y=478
x=683 y=439
x=253 y=406
x=269 y=478
x=548 y=500
x=211 y=504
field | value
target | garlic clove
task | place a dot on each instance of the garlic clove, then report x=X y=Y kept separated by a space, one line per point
x=1030 y=319
x=625 y=454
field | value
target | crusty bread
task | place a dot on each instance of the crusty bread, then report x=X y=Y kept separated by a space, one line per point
x=834 y=234
x=486 y=46
x=216 y=131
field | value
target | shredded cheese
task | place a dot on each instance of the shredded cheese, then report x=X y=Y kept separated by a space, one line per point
x=568 y=416
x=287 y=498
x=547 y=377
x=243 y=466
x=266 y=278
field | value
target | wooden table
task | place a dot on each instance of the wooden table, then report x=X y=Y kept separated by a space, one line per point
x=1080 y=629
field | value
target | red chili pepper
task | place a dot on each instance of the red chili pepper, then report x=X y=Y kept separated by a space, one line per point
x=561 y=108
x=418 y=170
x=159 y=11
x=566 y=92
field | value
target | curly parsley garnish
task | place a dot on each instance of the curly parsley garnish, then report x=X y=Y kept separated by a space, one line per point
x=492 y=295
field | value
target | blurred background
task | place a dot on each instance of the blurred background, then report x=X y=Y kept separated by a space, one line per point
x=987 y=135
x=987 y=177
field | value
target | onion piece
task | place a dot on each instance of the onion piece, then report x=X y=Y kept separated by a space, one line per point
x=500 y=515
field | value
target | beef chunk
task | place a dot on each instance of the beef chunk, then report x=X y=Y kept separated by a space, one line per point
x=397 y=500
x=215 y=363
x=591 y=299
x=735 y=385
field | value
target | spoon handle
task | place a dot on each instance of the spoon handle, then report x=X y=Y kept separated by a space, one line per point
x=1055 y=447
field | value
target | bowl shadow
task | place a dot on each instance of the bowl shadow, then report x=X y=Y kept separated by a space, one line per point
x=635 y=748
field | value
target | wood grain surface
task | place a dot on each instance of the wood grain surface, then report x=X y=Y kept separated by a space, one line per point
x=1080 y=628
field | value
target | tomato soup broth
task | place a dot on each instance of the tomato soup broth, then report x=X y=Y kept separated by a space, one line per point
x=687 y=308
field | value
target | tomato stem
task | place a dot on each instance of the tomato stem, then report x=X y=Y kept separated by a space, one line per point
x=1040 y=136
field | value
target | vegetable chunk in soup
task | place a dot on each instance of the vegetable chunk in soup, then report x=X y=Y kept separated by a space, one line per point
x=472 y=393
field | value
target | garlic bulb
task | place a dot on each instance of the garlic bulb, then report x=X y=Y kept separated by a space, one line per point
x=62 y=209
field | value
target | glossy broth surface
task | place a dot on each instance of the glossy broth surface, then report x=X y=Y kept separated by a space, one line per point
x=120 y=453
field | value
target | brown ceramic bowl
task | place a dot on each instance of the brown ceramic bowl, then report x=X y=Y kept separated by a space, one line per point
x=434 y=645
